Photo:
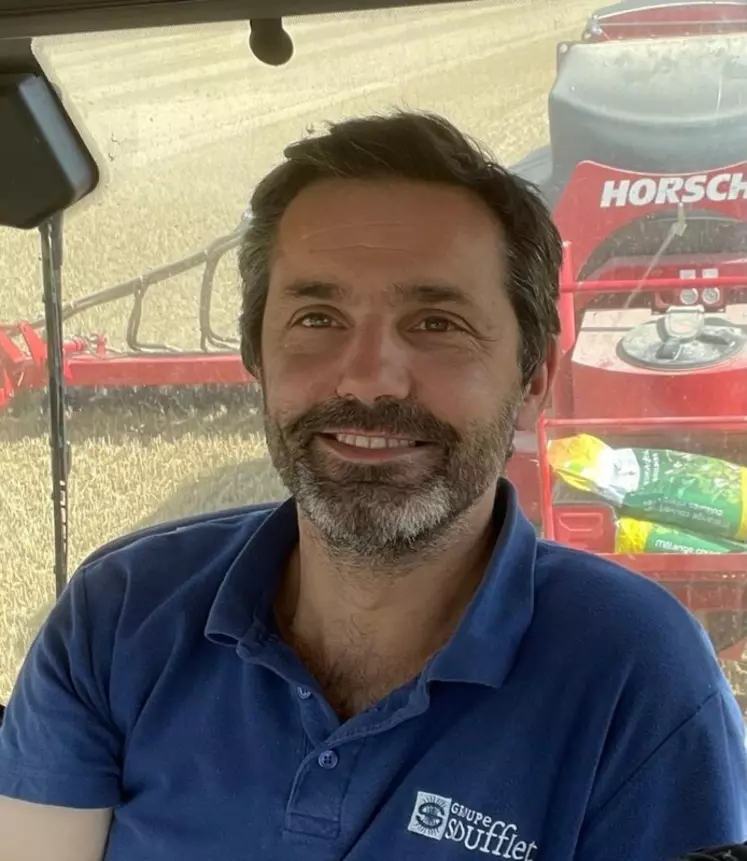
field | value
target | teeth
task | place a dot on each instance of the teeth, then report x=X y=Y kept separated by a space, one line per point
x=373 y=441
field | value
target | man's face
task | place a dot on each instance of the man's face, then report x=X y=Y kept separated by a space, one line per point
x=390 y=362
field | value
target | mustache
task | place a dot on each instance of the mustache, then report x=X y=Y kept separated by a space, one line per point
x=388 y=416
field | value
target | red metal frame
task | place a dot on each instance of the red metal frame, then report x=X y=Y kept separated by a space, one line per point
x=704 y=583
x=592 y=185
x=91 y=365
x=585 y=194
x=91 y=362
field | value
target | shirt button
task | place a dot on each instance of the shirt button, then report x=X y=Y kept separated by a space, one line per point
x=328 y=759
x=304 y=693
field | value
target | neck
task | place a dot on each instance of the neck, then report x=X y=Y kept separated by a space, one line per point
x=395 y=610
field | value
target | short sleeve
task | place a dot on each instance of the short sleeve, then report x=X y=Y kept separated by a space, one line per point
x=690 y=793
x=58 y=744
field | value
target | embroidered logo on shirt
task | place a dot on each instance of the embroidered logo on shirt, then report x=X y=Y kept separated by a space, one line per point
x=441 y=818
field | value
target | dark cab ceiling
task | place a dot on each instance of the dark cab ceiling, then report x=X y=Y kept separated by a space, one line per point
x=29 y=18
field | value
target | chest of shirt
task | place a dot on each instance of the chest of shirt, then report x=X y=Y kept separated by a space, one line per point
x=256 y=769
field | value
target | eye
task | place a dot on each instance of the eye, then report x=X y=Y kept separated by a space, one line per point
x=316 y=320
x=439 y=324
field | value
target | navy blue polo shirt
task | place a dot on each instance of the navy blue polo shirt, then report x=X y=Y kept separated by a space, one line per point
x=578 y=712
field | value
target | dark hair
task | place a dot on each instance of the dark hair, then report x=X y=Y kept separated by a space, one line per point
x=420 y=147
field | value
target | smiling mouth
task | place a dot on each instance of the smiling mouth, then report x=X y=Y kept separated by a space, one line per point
x=371 y=441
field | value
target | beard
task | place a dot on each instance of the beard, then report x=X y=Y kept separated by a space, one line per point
x=388 y=511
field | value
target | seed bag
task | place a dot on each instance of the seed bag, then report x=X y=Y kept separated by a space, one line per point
x=698 y=493
x=640 y=536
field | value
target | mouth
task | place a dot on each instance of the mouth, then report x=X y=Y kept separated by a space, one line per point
x=363 y=445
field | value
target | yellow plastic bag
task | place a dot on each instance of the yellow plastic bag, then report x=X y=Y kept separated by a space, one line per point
x=640 y=536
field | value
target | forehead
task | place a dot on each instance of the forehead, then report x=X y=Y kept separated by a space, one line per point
x=349 y=230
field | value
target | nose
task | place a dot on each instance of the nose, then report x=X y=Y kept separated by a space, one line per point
x=375 y=365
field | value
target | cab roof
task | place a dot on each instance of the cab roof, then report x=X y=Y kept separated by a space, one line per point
x=31 y=18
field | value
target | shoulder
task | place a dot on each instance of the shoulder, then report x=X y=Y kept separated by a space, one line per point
x=635 y=668
x=179 y=563
x=582 y=583
x=611 y=600
x=199 y=537
x=625 y=625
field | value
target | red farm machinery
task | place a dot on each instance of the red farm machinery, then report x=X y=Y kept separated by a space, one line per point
x=646 y=174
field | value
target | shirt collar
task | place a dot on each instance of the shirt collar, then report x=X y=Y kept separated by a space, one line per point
x=242 y=609
x=486 y=642
x=481 y=650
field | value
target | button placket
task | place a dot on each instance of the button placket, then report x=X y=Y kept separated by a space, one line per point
x=318 y=792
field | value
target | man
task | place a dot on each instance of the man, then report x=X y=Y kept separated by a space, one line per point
x=389 y=664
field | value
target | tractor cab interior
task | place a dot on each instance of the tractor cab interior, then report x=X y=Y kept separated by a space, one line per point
x=131 y=135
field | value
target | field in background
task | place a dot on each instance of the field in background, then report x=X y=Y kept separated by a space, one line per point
x=186 y=122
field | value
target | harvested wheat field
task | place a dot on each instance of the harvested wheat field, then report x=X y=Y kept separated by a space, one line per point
x=186 y=121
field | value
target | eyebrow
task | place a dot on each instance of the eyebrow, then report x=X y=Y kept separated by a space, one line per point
x=434 y=294
x=325 y=291
x=320 y=290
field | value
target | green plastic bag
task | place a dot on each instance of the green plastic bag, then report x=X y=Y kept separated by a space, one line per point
x=700 y=494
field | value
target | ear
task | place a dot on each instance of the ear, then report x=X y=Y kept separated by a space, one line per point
x=537 y=390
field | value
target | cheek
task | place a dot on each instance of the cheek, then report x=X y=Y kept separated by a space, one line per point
x=292 y=385
x=465 y=388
